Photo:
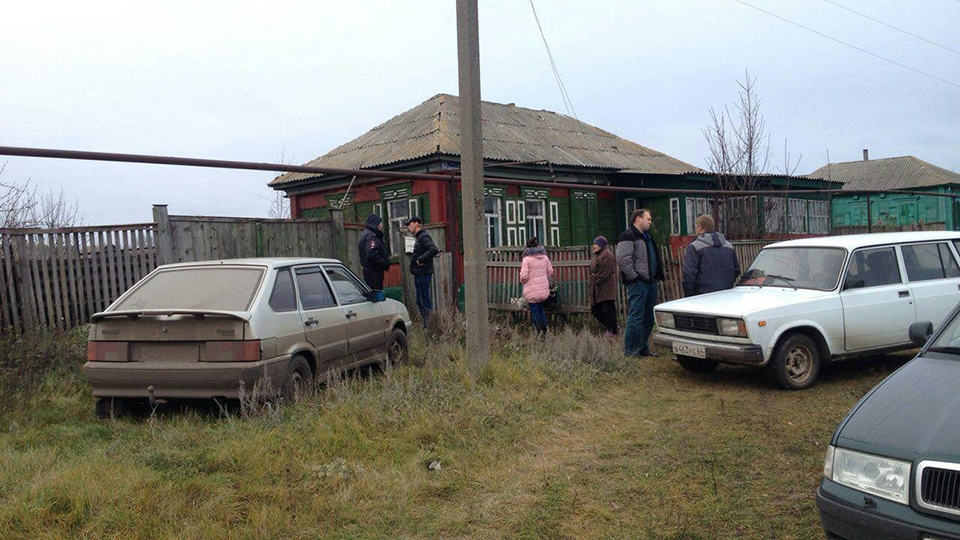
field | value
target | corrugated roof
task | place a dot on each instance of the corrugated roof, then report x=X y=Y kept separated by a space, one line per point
x=510 y=133
x=903 y=172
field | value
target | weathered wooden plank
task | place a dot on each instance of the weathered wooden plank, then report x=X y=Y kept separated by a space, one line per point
x=25 y=283
x=116 y=265
x=103 y=271
x=138 y=254
x=77 y=256
x=72 y=281
x=59 y=279
x=150 y=239
x=7 y=308
x=52 y=308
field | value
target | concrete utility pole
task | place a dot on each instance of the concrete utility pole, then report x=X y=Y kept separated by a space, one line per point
x=471 y=166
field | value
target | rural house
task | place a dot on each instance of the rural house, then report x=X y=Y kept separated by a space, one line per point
x=538 y=146
x=877 y=205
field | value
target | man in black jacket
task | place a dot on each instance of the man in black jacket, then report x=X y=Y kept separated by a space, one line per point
x=374 y=257
x=710 y=262
x=421 y=265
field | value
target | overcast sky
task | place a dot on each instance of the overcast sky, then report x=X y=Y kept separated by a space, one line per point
x=291 y=80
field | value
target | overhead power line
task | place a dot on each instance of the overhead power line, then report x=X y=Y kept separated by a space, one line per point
x=831 y=38
x=902 y=31
x=567 y=102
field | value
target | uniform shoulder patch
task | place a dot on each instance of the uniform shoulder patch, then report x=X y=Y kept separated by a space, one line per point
x=373 y=244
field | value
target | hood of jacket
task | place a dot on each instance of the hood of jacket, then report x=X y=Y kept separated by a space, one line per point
x=538 y=251
x=714 y=239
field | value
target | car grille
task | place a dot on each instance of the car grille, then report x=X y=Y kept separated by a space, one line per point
x=940 y=487
x=696 y=323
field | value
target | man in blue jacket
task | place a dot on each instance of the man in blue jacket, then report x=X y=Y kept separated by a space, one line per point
x=710 y=262
x=374 y=257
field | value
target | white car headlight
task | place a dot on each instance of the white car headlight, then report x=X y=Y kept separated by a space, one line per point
x=876 y=475
x=665 y=320
x=731 y=327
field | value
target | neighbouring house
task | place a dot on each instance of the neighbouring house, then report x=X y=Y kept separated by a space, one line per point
x=879 y=203
x=538 y=146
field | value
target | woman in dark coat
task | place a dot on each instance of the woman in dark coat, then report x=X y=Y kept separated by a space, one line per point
x=603 y=286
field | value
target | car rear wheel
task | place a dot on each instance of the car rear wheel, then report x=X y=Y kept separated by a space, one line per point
x=697 y=365
x=795 y=364
x=299 y=381
x=113 y=407
x=397 y=350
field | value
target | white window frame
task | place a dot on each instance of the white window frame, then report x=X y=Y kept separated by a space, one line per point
x=629 y=207
x=819 y=215
x=774 y=208
x=494 y=220
x=696 y=207
x=675 y=216
x=536 y=224
x=554 y=223
x=396 y=223
x=797 y=216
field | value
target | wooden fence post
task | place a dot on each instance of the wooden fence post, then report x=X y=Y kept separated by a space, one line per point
x=339 y=235
x=164 y=238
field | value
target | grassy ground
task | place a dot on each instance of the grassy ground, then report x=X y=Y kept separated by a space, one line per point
x=558 y=439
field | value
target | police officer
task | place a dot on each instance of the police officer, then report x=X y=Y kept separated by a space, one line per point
x=374 y=257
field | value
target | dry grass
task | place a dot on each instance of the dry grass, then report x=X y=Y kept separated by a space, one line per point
x=563 y=438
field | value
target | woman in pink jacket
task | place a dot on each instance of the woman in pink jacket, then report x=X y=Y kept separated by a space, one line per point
x=535 y=275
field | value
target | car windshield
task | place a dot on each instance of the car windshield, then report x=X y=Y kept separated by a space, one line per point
x=795 y=268
x=205 y=288
x=949 y=340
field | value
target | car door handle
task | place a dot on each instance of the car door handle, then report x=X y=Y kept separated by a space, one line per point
x=351 y=314
x=904 y=294
x=310 y=322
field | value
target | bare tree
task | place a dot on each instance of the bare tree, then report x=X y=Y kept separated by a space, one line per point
x=279 y=206
x=740 y=155
x=23 y=205
x=280 y=202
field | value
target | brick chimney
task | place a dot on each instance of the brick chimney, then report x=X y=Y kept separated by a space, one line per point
x=866 y=154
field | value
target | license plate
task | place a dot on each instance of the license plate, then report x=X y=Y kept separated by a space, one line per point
x=686 y=349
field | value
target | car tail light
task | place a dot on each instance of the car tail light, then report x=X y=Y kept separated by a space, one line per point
x=232 y=351
x=108 y=351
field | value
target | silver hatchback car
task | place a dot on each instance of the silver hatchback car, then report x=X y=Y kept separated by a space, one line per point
x=217 y=329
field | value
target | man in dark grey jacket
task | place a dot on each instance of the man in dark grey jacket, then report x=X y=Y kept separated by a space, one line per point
x=710 y=262
x=641 y=268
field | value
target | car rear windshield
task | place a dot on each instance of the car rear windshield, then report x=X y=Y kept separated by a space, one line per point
x=221 y=289
x=795 y=267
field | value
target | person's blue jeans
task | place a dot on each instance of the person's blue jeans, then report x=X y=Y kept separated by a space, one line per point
x=538 y=317
x=641 y=297
x=424 y=301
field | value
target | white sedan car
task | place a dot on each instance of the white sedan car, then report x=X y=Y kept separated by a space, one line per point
x=806 y=302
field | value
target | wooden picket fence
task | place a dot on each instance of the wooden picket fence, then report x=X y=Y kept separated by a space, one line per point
x=571 y=270
x=58 y=278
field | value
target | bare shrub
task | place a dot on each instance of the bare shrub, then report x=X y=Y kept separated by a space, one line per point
x=28 y=361
x=24 y=206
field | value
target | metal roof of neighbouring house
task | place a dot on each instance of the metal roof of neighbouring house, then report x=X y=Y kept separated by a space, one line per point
x=903 y=172
x=510 y=134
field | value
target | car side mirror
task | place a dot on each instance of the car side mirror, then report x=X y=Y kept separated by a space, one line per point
x=376 y=296
x=920 y=332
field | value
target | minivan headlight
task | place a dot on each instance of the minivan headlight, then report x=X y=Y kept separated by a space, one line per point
x=665 y=320
x=876 y=475
x=731 y=327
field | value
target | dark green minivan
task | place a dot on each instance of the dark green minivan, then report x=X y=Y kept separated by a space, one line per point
x=892 y=470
